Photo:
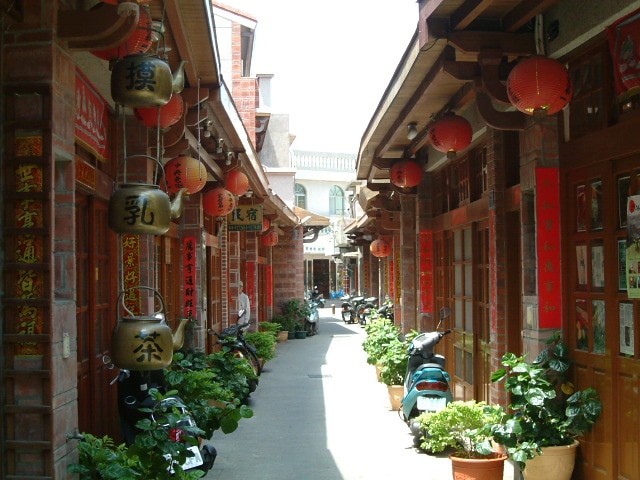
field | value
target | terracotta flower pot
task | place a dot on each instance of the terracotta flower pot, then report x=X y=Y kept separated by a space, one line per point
x=396 y=393
x=478 y=468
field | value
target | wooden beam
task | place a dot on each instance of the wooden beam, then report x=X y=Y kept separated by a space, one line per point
x=513 y=120
x=510 y=44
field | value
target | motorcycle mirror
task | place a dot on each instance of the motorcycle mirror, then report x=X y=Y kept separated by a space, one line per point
x=241 y=314
x=445 y=312
x=402 y=337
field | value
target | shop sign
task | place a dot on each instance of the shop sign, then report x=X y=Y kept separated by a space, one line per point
x=92 y=118
x=245 y=218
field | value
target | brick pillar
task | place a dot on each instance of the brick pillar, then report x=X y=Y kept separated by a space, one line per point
x=408 y=258
x=288 y=268
x=539 y=147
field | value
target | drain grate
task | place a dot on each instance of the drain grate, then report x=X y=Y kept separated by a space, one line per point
x=319 y=375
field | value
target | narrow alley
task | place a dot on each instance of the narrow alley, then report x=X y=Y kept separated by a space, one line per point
x=320 y=414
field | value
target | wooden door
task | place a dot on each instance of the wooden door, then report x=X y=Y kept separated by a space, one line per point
x=96 y=287
x=482 y=300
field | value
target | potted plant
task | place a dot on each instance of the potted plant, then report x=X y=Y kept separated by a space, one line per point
x=393 y=367
x=301 y=332
x=283 y=326
x=546 y=413
x=465 y=427
x=264 y=343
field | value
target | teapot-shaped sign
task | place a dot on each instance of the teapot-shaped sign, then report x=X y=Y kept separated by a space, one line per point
x=145 y=342
x=142 y=208
x=144 y=80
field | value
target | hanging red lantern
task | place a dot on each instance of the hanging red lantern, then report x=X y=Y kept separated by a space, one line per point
x=405 y=174
x=450 y=134
x=218 y=202
x=539 y=86
x=237 y=182
x=270 y=239
x=168 y=114
x=185 y=172
x=139 y=41
x=266 y=224
x=380 y=248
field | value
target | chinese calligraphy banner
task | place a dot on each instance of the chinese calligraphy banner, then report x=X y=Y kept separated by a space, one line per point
x=245 y=218
x=189 y=278
x=548 y=247
x=92 y=119
x=426 y=272
x=623 y=37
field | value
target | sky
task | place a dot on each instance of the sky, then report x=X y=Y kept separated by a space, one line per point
x=332 y=61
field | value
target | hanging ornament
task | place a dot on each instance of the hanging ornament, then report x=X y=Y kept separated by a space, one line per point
x=237 y=182
x=270 y=239
x=218 y=202
x=405 y=174
x=169 y=114
x=539 y=86
x=266 y=224
x=139 y=41
x=185 y=172
x=450 y=134
x=380 y=248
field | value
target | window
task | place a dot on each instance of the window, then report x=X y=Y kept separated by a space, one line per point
x=336 y=201
x=300 y=196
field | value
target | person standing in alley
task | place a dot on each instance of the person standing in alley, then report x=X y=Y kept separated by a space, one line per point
x=243 y=303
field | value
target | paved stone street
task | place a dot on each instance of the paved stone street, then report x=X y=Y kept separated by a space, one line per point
x=320 y=414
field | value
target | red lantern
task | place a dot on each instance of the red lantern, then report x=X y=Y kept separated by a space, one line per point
x=185 y=172
x=237 y=182
x=218 y=202
x=139 y=41
x=270 y=239
x=380 y=248
x=266 y=224
x=539 y=86
x=169 y=114
x=405 y=173
x=450 y=134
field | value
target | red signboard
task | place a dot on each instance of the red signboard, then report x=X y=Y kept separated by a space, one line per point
x=426 y=272
x=268 y=270
x=92 y=119
x=189 y=279
x=131 y=271
x=250 y=282
x=548 y=247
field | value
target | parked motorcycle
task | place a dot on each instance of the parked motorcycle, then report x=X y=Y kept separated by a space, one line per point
x=317 y=297
x=426 y=382
x=232 y=339
x=312 y=320
x=349 y=306
x=136 y=402
x=365 y=308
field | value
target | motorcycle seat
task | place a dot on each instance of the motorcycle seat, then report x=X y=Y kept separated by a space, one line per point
x=371 y=299
x=357 y=299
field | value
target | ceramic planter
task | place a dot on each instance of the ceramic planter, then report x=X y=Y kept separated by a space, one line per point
x=396 y=394
x=301 y=334
x=555 y=462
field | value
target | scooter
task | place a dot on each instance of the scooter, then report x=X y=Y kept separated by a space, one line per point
x=426 y=382
x=364 y=309
x=232 y=339
x=312 y=320
x=349 y=308
x=135 y=403
x=317 y=297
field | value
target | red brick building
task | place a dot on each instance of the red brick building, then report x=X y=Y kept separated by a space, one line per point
x=524 y=230
x=67 y=150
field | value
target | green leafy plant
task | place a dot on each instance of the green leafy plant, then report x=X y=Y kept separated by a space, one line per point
x=393 y=362
x=463 y=426
x=381 y=333
x=545 y=409
x=213 y=387
x=297 y=308
x=154 y=454
x=270 y=327
x=264 y=343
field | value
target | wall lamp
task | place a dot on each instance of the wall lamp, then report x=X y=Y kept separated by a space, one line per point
x=412 y=130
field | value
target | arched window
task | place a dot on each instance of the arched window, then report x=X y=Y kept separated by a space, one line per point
x=336 y=201
x=300 y=196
